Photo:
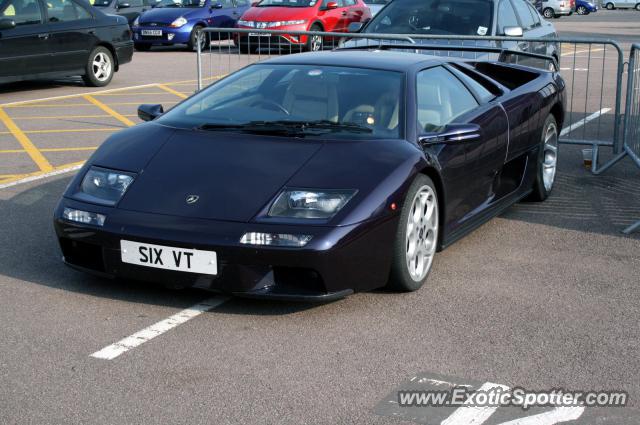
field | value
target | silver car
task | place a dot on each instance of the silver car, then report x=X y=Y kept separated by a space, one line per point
x=621 y=4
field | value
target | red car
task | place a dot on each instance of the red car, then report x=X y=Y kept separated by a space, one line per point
x=298 y=15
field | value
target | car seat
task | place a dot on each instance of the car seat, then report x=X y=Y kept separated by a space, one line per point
x=312 y=98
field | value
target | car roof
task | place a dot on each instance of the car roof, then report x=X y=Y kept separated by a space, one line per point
x=376 y=59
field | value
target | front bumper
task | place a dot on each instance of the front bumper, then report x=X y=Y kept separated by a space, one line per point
x=336 y=262
x=272 y=41
x=169 y=35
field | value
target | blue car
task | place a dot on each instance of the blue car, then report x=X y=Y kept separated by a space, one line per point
x=584 y=7
x=178 y=21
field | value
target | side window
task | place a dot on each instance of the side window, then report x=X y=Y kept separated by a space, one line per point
x=535 y=15
x=441 y=98
x=506 y=16
x=350 y=2
x=226 y=4
x=135 y=3
x=23 y=12
x=65 y=11
x=242 y=3
x=524 y=13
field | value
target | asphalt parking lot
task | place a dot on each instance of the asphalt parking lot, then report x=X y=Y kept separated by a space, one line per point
x=544 y=296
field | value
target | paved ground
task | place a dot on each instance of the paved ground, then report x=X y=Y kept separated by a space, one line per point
x=544 y=296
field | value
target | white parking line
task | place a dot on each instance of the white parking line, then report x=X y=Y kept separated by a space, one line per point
x=114 y=350
x=583 y=121
x=42 y=176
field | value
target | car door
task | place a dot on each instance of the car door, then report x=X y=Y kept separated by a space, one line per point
x=71 y=28
x=355 y=13
x=506 y=17
x=223 y=14
x=24 y=49
x=333 y=19
x=470 y=168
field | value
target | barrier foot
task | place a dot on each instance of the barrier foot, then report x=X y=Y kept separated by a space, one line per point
x=633 y=228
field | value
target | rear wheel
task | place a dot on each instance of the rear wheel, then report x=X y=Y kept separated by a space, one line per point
x=610 y=6
x=142 y=47
x=581 y=10
x=314 y=42
x=416 y=237
x=99 y=68
x=548 y=13
x=547 y=163
x=638 y=7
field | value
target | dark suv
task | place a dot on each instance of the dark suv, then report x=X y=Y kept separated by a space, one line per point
x=478 y=18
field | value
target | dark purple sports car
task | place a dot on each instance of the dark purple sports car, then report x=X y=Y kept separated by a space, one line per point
x=313 y=176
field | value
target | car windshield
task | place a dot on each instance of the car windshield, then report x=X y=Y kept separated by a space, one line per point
x=287 y=3
x=437 y=17
x=181 y=3
x=295 y=100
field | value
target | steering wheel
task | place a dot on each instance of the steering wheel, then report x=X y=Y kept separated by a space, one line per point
x=268 y=102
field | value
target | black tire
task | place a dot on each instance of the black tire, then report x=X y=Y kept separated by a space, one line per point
x=548 y=13
x=314 y=43
x=400 y=278
x=540 y=190
x=142 y=47
x=99 y=75
x=638 y=7
x=193 y=39
x=610 y=6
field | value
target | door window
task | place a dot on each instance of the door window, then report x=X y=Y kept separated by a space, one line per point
x=65 y=11
x=23 y=12
x=133 y=3
x=242 y=3
x=525 y=14
x=535 y=15
x=506 y=16
x=441 y=99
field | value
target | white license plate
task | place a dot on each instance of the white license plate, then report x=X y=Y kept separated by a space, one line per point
x=169 y=258
x=259 y=34
x=157 y=33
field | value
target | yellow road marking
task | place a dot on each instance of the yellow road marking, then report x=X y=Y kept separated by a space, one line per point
x=172 y=91
x=157 y=93
x=82 y=148
x=29 y=147
x=25 y=178
x=65 y=105
x=69 y=130
x=109 y=111
x=62 y=117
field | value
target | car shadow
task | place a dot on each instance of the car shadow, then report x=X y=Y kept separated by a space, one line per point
x=30 y=253
x=40 y=85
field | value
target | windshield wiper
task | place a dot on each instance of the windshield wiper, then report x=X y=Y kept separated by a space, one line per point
x=288 y=128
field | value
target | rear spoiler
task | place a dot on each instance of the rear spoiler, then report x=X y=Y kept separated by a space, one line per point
x=504 y=55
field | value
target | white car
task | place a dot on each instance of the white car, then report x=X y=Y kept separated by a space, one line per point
x=621 y=4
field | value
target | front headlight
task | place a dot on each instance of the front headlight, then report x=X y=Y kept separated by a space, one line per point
x=103 y=186
x=247 y=23
x=136 y=22
x=285 y=23
x=302 y=203
x=178 y=22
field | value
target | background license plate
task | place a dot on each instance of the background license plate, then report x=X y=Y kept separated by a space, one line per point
x=157 y=33
x=169 y=258
x=259 y=34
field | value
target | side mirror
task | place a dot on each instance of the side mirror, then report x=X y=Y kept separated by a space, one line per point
x=332 y=5
x=7 y=24
x=355 y=27
x=513 y=31
x=149 y=112
x=123 y=5
x=452 y=133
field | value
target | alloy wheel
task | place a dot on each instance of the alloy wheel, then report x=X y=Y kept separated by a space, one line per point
x=421 y=233
x=316 y=43
x=550 y=156
x=101 y=66
x=581 y=10
x=548 y=13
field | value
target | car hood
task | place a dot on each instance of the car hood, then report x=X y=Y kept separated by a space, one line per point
x=270 y=14
x=168 y=14
x=234 y=175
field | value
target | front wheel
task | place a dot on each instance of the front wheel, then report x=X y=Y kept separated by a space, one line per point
x=99 y=68
x=416 y=237
x=610 y=6
x=548 y=13
x=314 y=42
x=581 y=10
x=547 y=161
x=195 y=37
x=638 y=7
